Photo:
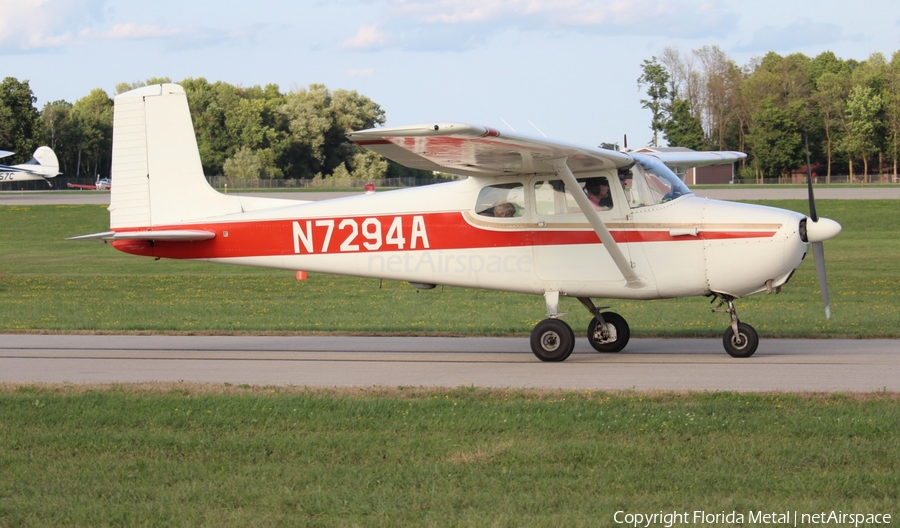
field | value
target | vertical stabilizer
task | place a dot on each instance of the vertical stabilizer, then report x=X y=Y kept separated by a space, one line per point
x=46 y=159
x=157 y=175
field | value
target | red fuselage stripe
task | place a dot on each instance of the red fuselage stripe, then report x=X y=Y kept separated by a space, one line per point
x=434 y=231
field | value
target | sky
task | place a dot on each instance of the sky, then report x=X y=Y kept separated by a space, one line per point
x=566 y=69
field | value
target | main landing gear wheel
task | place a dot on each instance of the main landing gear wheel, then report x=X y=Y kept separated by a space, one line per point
x=614 y=338
x=743 y=344
x=552 y=340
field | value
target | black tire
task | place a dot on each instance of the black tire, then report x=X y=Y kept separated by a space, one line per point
x=744 y=344
x=552 y=340
x=619 y=333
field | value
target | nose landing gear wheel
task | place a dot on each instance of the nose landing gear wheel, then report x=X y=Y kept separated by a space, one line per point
x=743 y=344
x=617 y=333
x=552 y=340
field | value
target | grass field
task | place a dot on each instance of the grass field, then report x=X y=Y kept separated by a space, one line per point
x=52 y=285
x=245 y=456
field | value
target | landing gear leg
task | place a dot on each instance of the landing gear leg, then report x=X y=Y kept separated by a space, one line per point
x=552 y=339
x=608 y=331
x=740 y=339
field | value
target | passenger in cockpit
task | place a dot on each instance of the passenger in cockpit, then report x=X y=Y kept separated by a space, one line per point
x=504 y=210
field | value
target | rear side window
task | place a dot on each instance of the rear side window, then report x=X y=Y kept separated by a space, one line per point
x=505 y=200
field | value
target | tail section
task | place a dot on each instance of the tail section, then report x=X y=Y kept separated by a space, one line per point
x=44 y=162
x=157 y=176
x=42 y=165
x=156 y=164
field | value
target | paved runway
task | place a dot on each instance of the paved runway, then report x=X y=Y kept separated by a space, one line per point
x=647 y=364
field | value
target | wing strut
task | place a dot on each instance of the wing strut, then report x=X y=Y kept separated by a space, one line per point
x=632 y=280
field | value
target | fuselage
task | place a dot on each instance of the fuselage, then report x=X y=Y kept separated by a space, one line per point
x=455 y=234
x=13 y=174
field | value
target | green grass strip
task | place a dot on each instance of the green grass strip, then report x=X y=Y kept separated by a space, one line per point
x=190 y=455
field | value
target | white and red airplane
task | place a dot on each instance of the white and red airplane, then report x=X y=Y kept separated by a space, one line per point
x=43 y=165
x=102 y=184
x=534 y=216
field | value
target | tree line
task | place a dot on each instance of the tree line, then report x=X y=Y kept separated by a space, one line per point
x=849 y=110
x=245 y=133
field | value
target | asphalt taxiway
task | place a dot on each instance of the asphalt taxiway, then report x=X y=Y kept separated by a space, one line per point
x=832 y=365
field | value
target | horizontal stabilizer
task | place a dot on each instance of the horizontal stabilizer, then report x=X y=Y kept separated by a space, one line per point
x=174 y=235
x=106 y=235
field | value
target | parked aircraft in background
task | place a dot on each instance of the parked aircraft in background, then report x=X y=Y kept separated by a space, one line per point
x=534 y=216
x=42 y=166
x=103 y=184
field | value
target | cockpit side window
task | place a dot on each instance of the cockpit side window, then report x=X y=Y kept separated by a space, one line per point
x=506 y=200
x=551 y=197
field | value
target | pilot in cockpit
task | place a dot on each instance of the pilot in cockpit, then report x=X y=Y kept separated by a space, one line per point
x=597 y=191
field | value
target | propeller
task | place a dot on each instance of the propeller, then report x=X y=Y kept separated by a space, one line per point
x=818 y=231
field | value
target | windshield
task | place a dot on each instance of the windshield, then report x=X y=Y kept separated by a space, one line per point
x=650 y=182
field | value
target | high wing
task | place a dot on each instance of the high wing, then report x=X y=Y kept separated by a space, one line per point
x=472 y=150
x=5 y=153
